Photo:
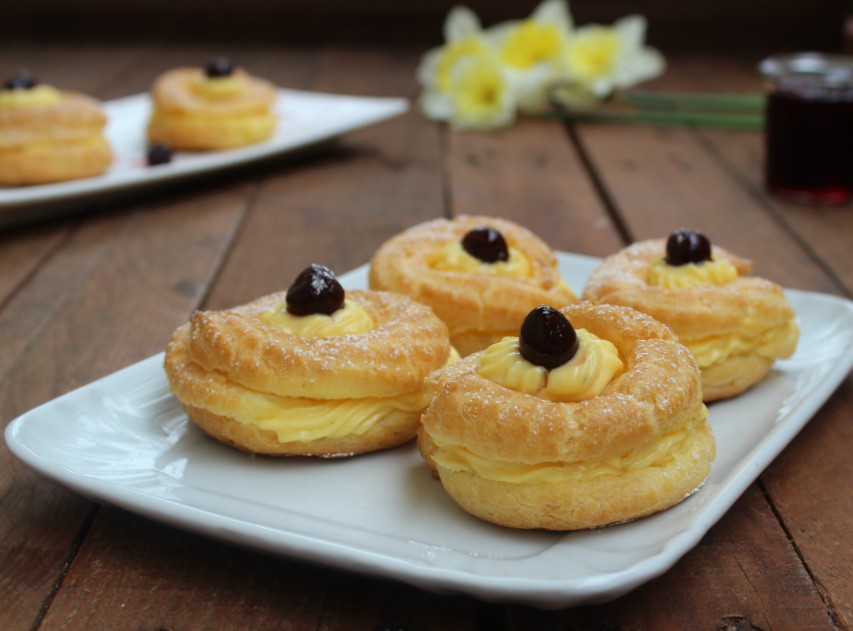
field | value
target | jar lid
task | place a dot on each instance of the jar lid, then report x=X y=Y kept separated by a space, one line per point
x=828 y=69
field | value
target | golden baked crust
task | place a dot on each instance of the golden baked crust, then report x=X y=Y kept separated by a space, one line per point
x=53 y=143
x=657 y=397
x=748 y=306
x=223 y=365
x=478 y=308
x=188 y=119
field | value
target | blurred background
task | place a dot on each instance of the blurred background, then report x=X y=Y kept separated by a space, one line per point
x=719 y=26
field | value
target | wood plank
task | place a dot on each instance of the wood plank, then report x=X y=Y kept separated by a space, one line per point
x=23 y=251
x=147 y=273
x=808 y=485
x=151 y=576
x=530 y=173
x=744 y=569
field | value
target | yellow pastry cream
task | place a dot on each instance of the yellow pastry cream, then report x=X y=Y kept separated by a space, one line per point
x=662 y=274
x=754 y=337
x=454 y=258
x=38 y=96
x=303 y=419
x=772 y=343
x=657 y=454
x=350 y=319
x=219 y=87
x=594 y=365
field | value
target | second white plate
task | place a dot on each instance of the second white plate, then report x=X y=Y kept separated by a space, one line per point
x=304 y=119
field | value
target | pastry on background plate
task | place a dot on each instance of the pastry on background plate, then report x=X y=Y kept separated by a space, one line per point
x=481 y=275
x=592 y=415
x=310 y=371
x=49 y=135
x=215 y=107
x=735 y=325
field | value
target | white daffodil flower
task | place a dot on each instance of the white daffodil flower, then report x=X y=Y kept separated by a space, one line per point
x=600 y=59
x=463 y=37
x=481 y=96
x=532 y=51
x=480 y=79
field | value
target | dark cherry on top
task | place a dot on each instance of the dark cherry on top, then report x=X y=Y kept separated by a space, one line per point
x=315 y=290
x=486 y=244
x=219 y=67
x=21 y=80
x=547 y=338
x=687 y=246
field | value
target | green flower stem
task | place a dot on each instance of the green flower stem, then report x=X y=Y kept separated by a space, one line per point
x=733 y=102
x=753 y=122
x=638 y=107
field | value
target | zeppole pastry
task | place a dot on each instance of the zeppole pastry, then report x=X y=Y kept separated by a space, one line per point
x=481 y=275
x=48 y=135
x=216 y=107
x=591 y=416
x=735 y=325
x=310 y=371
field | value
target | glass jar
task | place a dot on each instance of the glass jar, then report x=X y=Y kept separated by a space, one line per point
x=809 y=127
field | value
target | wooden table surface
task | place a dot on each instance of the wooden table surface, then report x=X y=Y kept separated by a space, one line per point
x=88 y=293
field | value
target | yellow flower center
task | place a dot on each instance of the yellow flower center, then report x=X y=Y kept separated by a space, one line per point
x=531 y=43
x=479 y=89
x=451 y=54
x=593 y=52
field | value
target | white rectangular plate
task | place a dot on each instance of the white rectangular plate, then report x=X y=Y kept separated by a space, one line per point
x=304 y=119
x=125 y=440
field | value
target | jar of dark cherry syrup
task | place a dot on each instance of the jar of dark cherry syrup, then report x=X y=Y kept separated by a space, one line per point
x=809 y=127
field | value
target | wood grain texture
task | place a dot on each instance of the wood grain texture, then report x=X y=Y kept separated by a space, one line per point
x=111 y=298
x=162 y=578
x=807 y=484
x=531 y=174
x=743 y=567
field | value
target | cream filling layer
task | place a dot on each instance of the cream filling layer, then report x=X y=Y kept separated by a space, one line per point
x=351 y=319
x=219 y=87
x=243 y=124
x=658 y=454
x=296 y=419
x=661 y=274
x=37 y=96
x=585 y=376
x=776 y=343
x=39 y=146
x=454 y=258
